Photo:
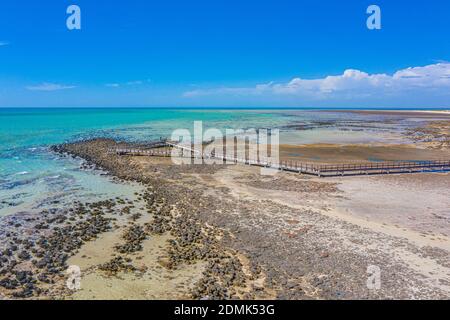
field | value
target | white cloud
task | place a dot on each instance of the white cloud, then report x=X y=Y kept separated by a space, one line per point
x=46 y=86
x=350 y=85
x=129 y=83
x=4 y=43
x=134 y=83
x=112 y=85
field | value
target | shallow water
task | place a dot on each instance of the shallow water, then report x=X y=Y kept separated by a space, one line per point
x=31 y=177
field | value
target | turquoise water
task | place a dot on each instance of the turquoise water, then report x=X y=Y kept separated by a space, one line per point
x=25 y=132
x=31 y=177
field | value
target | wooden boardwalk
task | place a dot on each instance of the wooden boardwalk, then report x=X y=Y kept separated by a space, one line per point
x=164 y=149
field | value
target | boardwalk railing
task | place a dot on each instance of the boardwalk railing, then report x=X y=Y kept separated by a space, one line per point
x=321 y=170
x=141 y=152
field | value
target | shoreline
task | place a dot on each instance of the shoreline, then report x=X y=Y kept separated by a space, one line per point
x=400 y=112
x=211 y=271
x=208 y=232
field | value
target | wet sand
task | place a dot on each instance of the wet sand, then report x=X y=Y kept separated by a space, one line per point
x=428 y=141
x=337 y=153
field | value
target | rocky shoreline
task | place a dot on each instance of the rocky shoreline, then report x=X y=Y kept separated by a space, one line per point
x=34 y=248
x=435 y=135
x=33 y=264
x=229 y=233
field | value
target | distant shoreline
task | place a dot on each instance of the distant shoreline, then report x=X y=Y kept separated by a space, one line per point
x=400 y=112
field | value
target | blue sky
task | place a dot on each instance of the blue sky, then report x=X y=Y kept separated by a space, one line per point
x=266 y=53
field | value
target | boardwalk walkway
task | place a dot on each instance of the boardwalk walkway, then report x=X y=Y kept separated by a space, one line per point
x=164 y=149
